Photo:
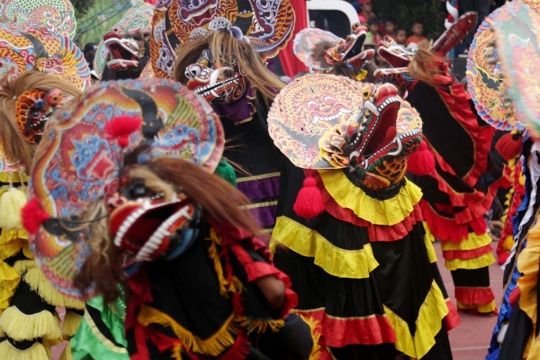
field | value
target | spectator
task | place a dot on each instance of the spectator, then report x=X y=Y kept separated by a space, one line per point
x=417 y=36
x=373 y=31
x=390 y=26
x=366 y=12
x=401 y=36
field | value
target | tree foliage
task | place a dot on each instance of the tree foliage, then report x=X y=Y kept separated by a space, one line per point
x=431 y=12
x=81 y=7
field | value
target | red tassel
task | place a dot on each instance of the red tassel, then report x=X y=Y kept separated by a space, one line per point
x=503 y=257
x=514 y=296
x=32 y=216
x=421 y=162
x=309 y=202
x=121 y=127
x=510 y=145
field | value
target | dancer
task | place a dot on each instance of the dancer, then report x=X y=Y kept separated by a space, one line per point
x=459 y=187
x=200 y=285
x=516 y=334
x=122 y=54
x=31 y=90
x=221 y=56
x=361 y=264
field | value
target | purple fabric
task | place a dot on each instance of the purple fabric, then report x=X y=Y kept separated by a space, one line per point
x=257 y=190
x=239 y=110
x=266 y=215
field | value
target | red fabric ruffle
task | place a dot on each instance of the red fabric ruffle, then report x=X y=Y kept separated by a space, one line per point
x=341 y=332
x=258 y=269
x=451 y=320
x=474 y=296
x=443 y=228
x=515 y=202
x=375 y=232
x=467 y=254
x=140 y=294
x=457 y=100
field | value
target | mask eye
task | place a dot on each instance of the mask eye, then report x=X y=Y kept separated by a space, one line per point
x=329 y=100
x=34 y=115
x=312 y=105
x=366 y=94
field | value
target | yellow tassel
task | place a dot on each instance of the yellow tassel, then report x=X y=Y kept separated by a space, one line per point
x=9 y=280
x=66 y=354
x=11 y=204
x=38 y=283
x=260 y=326
x=19 y=326
x=71 y=324
x=35 y=352
x=215 y=345
x=22 y=266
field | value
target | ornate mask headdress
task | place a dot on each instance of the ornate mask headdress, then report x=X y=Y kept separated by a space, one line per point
x=265 y=25
x=30 y=47
x=321 y=50
x=125 y=49
x=55 y=15
x=324 y=122
x=485 y=81
x=89 y=142
x=517 y=56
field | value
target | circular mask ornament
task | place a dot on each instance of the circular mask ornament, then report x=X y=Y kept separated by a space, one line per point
x=55 y=15
x=485 y=81
x=30 y=47
x=306 y=109
x=78 y=161
x=266 y=24
x=516 y=31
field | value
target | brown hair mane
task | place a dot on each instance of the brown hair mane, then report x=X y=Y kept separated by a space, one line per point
x=425 y=65
x=227 y=48
x=15 y=147
x=221 y=202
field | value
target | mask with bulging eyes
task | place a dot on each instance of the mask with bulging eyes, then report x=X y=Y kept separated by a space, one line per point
x=33 y=108
x=217 y=81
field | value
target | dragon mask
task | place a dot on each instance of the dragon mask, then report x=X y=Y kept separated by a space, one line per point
x=325 y=121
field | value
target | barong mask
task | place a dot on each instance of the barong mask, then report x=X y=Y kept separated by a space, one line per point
x=215 y=79
x=97 y=143
x=125 y=48
x=323 y=121
x=32 y=110
x=321 y=50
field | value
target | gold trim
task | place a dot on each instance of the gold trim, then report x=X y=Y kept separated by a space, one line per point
x=259 y=177
x=259 y=205
x=428 y=324
x=108 y=343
